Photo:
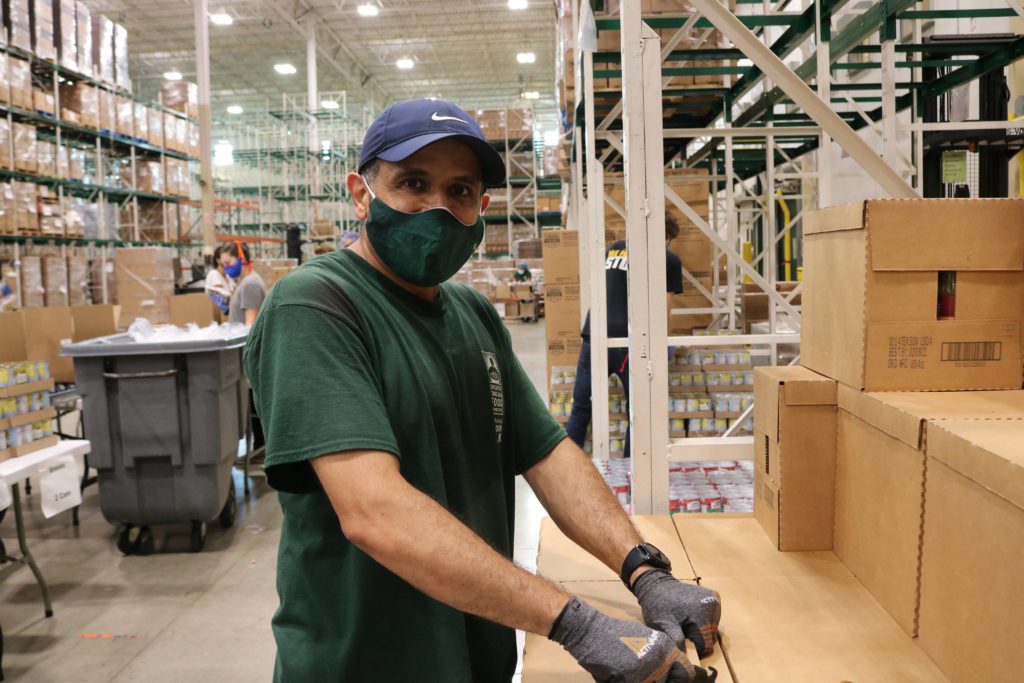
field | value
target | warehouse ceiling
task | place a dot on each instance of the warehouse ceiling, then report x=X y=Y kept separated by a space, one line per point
x=462 y=50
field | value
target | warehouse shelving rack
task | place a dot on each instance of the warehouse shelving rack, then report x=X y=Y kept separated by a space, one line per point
x=753 y=134
x=291 y=164
x=110 y=199
x=520 y=191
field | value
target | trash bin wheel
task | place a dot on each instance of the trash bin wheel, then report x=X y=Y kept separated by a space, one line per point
x=227 y=515
x=198 y=536
x=124 y=540
x=144 y=544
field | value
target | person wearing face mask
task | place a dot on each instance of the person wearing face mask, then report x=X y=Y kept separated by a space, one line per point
x=397 y=417
x=218 y=285
x=250 y=290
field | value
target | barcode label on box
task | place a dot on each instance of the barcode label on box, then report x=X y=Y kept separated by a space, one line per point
x=972 y=351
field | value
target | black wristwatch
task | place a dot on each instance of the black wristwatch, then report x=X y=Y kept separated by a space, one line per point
x=645 y=553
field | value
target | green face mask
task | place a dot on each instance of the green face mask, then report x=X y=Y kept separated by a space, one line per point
x=424 y=248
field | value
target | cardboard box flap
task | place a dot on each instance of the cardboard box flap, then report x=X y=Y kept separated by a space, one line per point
x=902 y=414
x=946 y=234
x=834 y=219
x=803 y=387
x=989 y=452
x=872 y=409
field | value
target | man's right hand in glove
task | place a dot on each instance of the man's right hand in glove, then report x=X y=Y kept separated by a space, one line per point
x=617 y=651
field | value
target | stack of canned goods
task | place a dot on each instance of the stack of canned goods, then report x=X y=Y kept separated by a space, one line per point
x=713 y=486
x=25 y=434
x=725 y=357
x=561 y=403
x=724 y=379
x=23 y=372
x=563 y=375
x=731 y=403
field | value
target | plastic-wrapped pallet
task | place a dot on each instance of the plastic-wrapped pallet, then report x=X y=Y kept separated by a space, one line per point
x=21 y=82
x=76 y=163
x=26 y=212
x=55 y=280
x=78 y=280
x=5 y=147
x=149 y=177
x=181 y=96
x=145 y=283
x=125 y=124
x=107 y=109
x=83 y=27
x=74 y=216
x=33 y=294
x=20 y=25
x=46 y=162
x=43 y=101
x=79 y=104
x=156 y=126
x=66 y=33
x=121 y=78
x=51 y=217
x=41 y=20
x=5 y=83
x=141 y=121
x=6 y=209
x=103 y=48
x=25 y=147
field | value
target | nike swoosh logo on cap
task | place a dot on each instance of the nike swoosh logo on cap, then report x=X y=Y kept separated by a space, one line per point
x=435 y=117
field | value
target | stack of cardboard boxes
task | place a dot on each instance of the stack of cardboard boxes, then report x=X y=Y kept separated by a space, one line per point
x=562 y=318
x=517 y=301
x=145 y=278
x=898 y=446
x=497 y=124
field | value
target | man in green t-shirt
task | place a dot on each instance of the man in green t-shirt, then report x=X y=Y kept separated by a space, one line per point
x=396 y=418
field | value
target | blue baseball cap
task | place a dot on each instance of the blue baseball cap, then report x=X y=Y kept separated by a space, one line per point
x=407 y=127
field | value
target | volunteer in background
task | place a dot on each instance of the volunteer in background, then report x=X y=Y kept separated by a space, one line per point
x=616 y=269
x=218 y=285
x=522 y=273
x=250 y=290
x=397 y=417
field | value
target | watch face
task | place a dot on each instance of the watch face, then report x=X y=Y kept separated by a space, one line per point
x=656 y=555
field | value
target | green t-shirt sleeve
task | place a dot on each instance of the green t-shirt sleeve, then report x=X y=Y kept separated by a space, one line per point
x=315 y=389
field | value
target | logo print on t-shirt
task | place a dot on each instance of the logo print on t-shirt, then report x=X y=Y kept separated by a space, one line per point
x=497 y=393
x=618 y=259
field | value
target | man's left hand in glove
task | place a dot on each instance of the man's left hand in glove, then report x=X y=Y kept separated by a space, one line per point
x=683 y=611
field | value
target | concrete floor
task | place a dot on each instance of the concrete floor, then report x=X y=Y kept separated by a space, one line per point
x=172 y=616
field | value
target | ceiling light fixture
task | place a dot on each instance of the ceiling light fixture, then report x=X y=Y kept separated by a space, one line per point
x=221 y=19
x=526 y=58
x=518 y=4
x=285 y=69
x=367 y=10
x=404 y=63
x=172 y=75
x=328 y=104
x=235 y=109
x=531 y=95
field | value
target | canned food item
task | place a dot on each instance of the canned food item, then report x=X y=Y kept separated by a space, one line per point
x=711 y=501
x=686 y=379
x=675 y=379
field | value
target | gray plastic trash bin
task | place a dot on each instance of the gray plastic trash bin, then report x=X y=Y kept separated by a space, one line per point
x=164 y=420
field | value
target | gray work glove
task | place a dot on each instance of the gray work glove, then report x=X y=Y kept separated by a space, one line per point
x=617 y=651
x=684 y=611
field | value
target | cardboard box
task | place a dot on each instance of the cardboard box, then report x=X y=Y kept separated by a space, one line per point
x=563 y=352
x=273 y=269
x=20 y=76
x=25 y=158
x=870 y=300
x=194 y=308
x=125 y=116
x=795 y=617
x=36 y=334
x=685 y=323
x=55 y=280
x=973 y=551
x=562 y=315
x=561 y=257
x=145 y=279
x=120 y=55
x=90 y=322
x=881 y=480
x=794 y=456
